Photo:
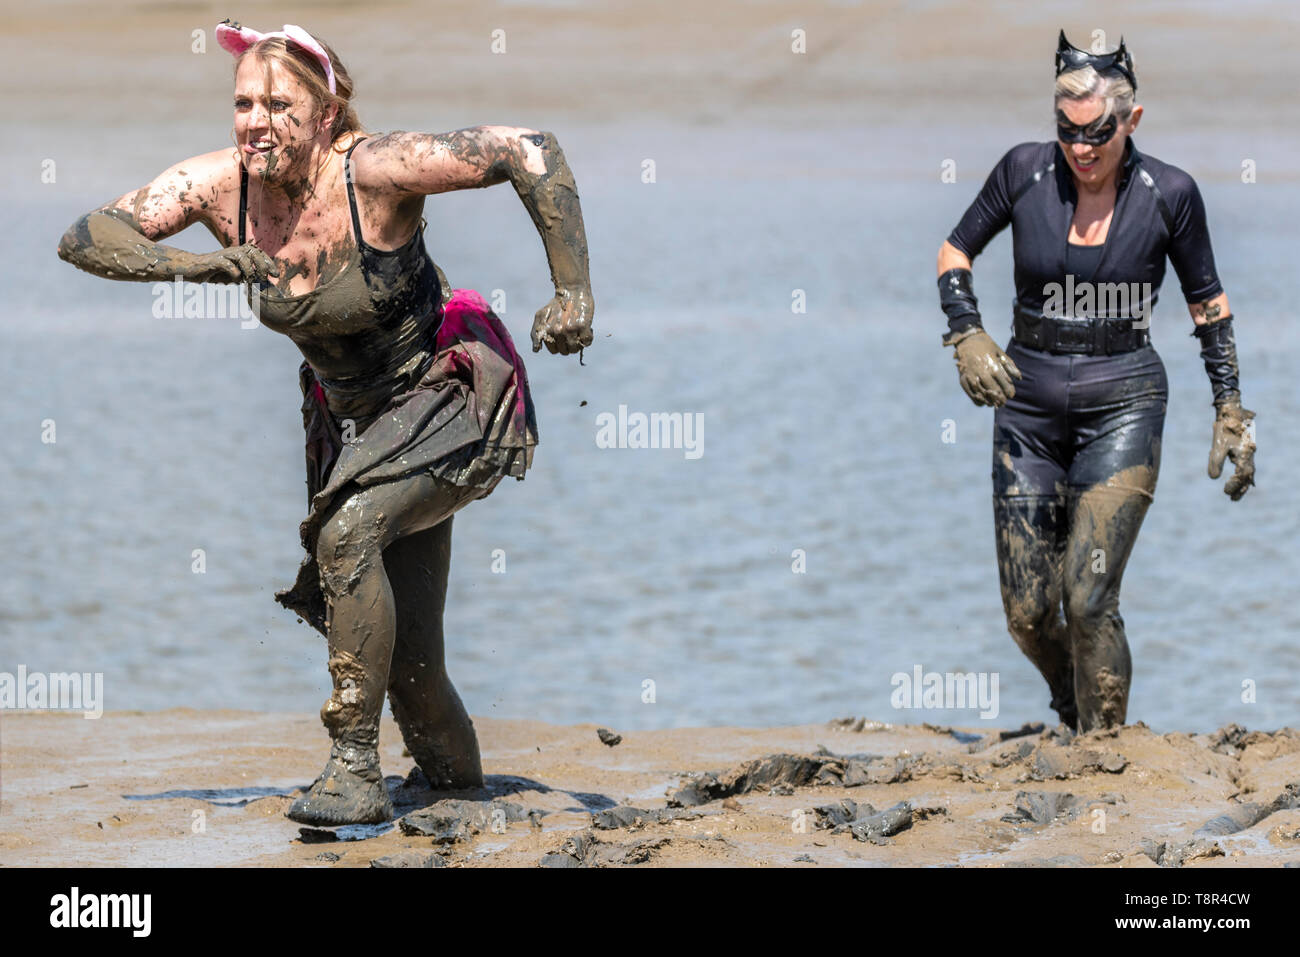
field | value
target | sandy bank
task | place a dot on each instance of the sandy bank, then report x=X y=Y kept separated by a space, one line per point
x=185 y=787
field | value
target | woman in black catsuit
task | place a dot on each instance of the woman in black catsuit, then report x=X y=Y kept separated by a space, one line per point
x=1079 y=392
x=415 y=402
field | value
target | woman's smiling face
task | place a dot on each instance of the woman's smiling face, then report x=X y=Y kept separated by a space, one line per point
x=274 y=132
x=1094 y=150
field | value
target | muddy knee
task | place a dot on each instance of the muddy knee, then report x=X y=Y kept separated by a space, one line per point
x=1032 y=620
x=1088 y=608
x=349 y=546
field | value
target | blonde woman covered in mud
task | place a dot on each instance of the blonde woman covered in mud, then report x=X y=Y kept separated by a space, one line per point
x=415 y=402
x=1080 y=393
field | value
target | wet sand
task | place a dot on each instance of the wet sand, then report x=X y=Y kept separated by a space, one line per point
x=209 y=788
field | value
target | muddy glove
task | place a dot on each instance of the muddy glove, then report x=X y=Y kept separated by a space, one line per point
x=984 y=370
x=111 y=244
x=1234 y=439
x=235 y=264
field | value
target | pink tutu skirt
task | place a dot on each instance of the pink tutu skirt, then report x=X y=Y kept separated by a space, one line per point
x=469 y=420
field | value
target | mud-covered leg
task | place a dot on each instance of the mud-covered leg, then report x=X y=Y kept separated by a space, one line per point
x=1031 y=539
x=362 y=633
x=1104 y=527
x=435 y=725
x=350 y=790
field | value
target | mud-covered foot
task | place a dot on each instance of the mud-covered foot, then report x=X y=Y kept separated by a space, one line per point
x=446 y=752
x=1066 y=709
x=443 y=777
x=1069 y=717
x=350 y=790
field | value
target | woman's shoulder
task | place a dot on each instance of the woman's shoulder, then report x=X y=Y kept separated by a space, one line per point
x=218 y=169
x=1029 y=156
x=1172 y=180
x=1020 y=164
x=355 y=146
x=195 y=190
x=350 y=138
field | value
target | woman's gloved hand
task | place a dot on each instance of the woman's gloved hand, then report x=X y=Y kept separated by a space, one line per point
x=235 y=264
x=984 y=370
x=1234 y=440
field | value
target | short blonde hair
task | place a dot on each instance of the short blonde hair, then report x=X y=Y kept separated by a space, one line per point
x=1113 y=87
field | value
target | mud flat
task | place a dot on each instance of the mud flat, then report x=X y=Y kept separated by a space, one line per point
x=209 y=788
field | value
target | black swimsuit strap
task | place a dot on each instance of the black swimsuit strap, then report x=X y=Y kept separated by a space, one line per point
x=352 y=200
x=243 y=200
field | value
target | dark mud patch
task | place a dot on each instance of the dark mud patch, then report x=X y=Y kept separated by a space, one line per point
x=452 y=821
x=1170 y=854
x=1060 y=763
x=783 y=773
x=865 y=823
x=316 y=835
x=624 y=816
x=585 y=849
x=778 y=770
x=1060 y=860
x=1013 y=755
x=858 y=725
x=410 y=858
x=1041 y=808
x=1245 y=816
x=1234 y=740
x=984 y=742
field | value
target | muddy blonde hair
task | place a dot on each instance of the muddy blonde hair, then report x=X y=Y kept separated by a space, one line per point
x=1112 y=86
x=306 y=69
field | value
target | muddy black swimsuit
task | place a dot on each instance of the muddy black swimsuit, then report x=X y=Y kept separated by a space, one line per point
x=1078 y=418
x=367 y=333
x=402 y=374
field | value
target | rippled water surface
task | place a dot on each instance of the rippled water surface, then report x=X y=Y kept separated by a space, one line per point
x=822 y=447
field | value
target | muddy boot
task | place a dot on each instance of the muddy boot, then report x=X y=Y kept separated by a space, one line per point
x=1064 y=704
x=350 y=790
x=439 y=734
x=1067 y=715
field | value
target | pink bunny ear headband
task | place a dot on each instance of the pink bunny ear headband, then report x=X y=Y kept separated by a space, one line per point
x=237 y=39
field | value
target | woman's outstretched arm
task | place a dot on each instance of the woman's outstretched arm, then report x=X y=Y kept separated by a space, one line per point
x=533 y=163
x=119 y=240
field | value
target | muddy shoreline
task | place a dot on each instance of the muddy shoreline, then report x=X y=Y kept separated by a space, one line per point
x=209 y=788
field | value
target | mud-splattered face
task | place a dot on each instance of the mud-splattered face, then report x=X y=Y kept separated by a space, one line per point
x=274 y=132
x=1092 y=162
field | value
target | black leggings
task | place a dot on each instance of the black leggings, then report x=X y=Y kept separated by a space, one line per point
x=384 y=553
x=1076 y=454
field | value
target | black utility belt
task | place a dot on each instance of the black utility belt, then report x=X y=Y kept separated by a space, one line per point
x=1080 y=337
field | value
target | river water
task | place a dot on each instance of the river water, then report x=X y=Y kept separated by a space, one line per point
x=826 y=538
